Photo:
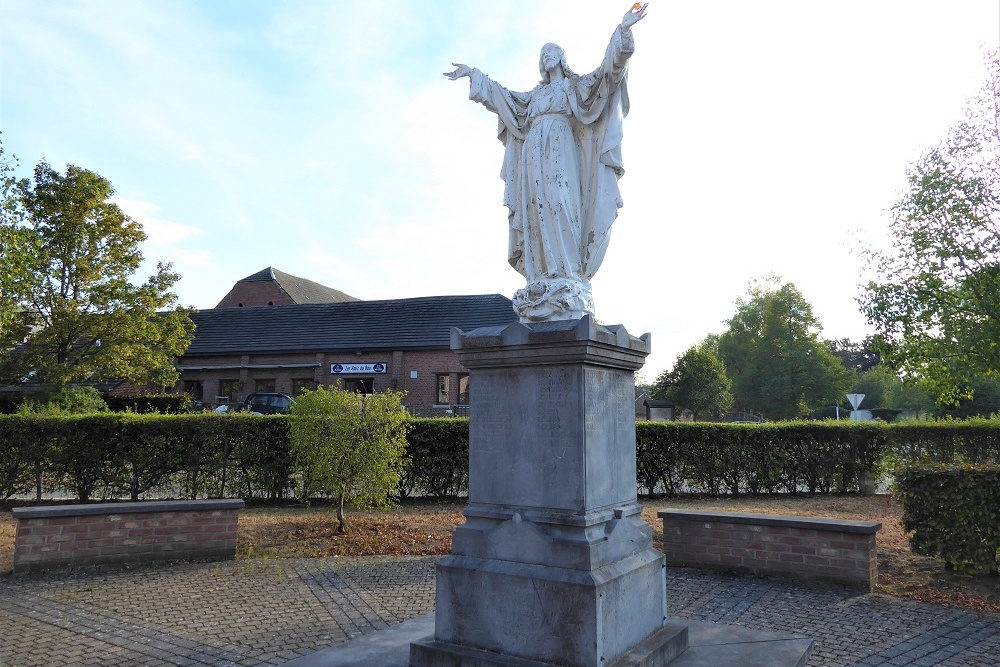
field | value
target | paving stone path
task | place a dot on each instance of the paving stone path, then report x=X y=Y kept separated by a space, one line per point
x=247 y=613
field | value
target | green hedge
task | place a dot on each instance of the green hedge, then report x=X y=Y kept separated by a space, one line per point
x=439 y=458
x=954 y=513
x=111 y=455
x=242 y=455
x=969 y=441
x=755 y=458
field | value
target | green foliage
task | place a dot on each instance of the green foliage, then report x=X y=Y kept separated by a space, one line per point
x=115 y=454
x=954 y=513
x=935 y=303
x=439 y=457
x=17 y=249
x=750 y=458
x=349 y=446
x=858 y=357
x=981 y=399
x=65 y=401
x=162 y=403
x=772 y=353
x=78 y=316
x=697 y=382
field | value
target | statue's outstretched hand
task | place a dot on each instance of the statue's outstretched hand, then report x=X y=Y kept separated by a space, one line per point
x=460 y=71
x=633 y=15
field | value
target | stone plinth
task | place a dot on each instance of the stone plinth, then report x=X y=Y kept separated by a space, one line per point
x=554 y=565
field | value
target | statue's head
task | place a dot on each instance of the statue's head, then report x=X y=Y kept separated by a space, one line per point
x=552 y=56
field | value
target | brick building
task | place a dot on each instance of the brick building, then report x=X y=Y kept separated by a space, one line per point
x=368 y=346
x=270 y=287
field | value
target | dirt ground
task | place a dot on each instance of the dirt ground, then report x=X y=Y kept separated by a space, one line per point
x=424 y=528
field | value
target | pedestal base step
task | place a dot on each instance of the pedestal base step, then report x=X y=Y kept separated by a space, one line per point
x=656 y=651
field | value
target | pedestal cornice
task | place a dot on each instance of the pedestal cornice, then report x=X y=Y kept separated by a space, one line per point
x=551 y=343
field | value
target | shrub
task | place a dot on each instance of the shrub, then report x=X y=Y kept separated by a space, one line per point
x=65 y=401
x=954 y=513
x=167 y=404
x=349 y=446
x=755 y=458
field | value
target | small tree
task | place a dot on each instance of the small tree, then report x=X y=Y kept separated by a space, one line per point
x=698 y=382
x=349 y=447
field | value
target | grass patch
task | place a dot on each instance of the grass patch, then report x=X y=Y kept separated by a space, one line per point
x=424 y=528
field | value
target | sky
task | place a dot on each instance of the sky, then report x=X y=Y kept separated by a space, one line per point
x=320 y=138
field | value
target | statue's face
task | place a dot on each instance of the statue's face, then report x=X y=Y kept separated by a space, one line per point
x=551 y=57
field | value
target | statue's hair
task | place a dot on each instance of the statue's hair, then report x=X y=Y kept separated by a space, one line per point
x=562 y=63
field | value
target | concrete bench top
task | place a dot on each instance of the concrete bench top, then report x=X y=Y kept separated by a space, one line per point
x=776 y=520
x=143 y=507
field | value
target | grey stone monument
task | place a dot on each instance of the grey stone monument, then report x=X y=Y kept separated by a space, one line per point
x=554 y=565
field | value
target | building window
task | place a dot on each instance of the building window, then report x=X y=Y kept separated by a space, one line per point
x=360 y=385
x=463 y=389
x=227 y=391
x=264 y=385
x=444 y=389
x=300 y=385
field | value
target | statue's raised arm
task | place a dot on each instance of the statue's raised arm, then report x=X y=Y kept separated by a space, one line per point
x=562 y=162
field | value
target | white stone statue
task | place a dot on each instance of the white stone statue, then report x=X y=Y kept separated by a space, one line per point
x=562 y=162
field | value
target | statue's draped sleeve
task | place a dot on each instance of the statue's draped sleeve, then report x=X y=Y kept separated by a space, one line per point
x=511 y=109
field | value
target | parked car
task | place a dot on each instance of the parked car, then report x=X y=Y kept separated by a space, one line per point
x=267 y=403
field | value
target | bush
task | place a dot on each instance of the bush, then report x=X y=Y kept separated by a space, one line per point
x=167 y=404
x=349 y=446
x=439 y=458
x=65 y=401
x=954 y=513
x=755 y=458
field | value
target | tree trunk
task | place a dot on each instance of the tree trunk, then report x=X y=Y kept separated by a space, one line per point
x=341 y=524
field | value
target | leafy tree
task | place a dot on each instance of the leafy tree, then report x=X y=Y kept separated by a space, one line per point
x=16 y=250
x=79 y=316
x=774 y=357
x=697 y=382
x=983 y=400
x=935 y=302
x=349 y=446
x=858 y=357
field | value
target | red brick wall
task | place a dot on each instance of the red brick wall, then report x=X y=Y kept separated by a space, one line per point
x=76 y=535
x=256 y=293
x=829 y=551
x=421 y=392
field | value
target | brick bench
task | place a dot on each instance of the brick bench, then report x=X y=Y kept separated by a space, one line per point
x=73 y=535
x=829 y=551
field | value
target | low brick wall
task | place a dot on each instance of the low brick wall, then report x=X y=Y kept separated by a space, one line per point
x=72 y=535
x=829 y=551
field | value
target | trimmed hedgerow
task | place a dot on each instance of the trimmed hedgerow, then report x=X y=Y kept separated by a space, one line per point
x=241 y=455
x=954 y=513
x=755 y=458
x=439 y=458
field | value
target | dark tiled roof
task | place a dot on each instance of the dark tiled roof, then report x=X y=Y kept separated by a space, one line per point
x=300 y=289
x=397 y=324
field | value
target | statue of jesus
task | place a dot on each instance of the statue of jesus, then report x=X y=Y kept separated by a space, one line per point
x=562 y=161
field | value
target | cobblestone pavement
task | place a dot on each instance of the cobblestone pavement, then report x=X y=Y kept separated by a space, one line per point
x=267 y=612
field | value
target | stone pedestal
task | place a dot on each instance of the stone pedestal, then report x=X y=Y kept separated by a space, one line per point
x=554 y=565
